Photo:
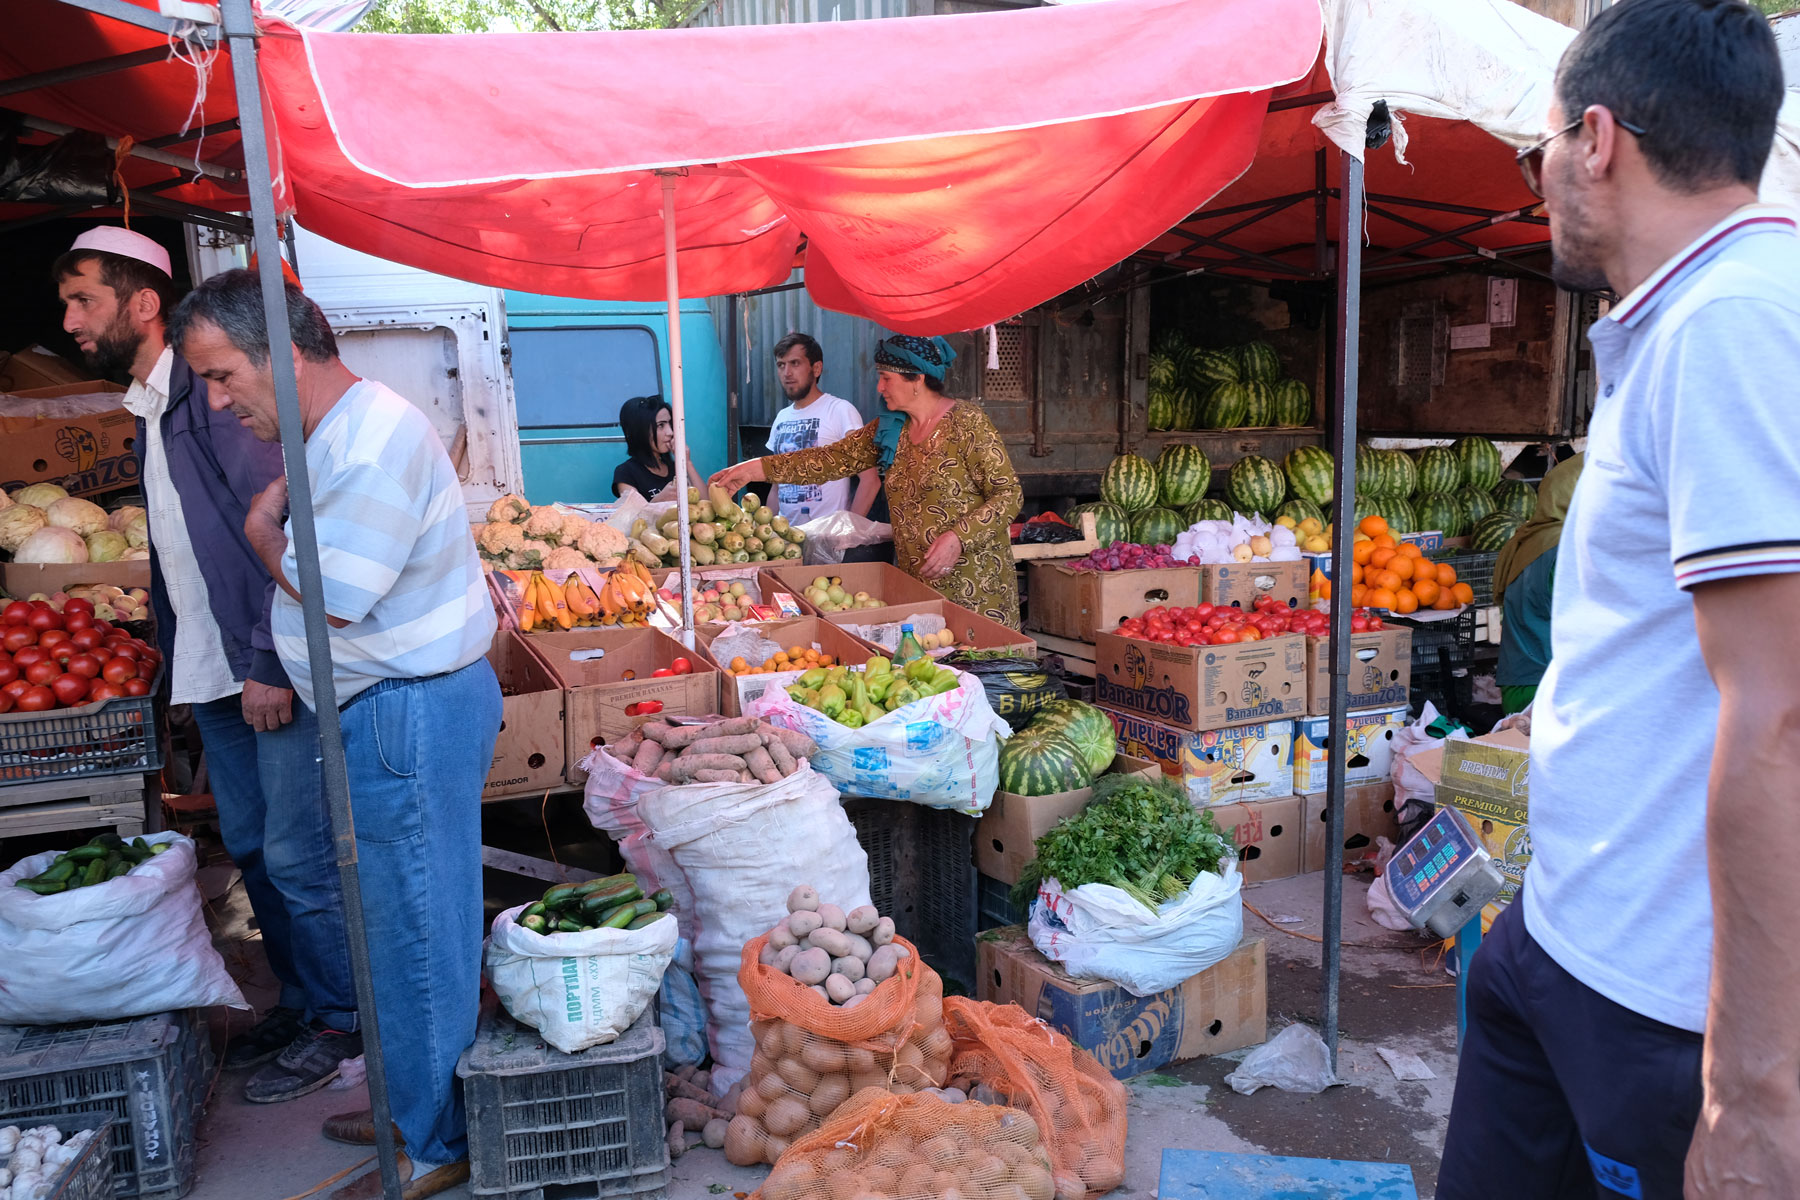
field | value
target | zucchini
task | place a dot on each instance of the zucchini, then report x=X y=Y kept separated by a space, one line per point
x=118 y=869
x=43 y=887
x=594 y=885
x=62 y=871
x=558 y=893
x=665 y=900
x=569 y=925
x=87 y=853
x=96 y=871
x=534 y=910
x=605 y=898
x=645 y=921
x=536 y=922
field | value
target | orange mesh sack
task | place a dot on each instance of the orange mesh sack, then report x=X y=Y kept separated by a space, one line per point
x=881 y=1146
x=1006 y=1056
x=811 y=1055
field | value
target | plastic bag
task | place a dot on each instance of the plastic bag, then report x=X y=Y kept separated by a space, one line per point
x=1382 y=909
x=916 y=1147
x=610 y=800
x=830 y=536
x=1077 y=1104
x=578 y=990
x=1097 y=931
x=942 y=751
x=133 y=945
x=76 y=168
x=1016 y=685
x=1415 y=795
x=681 y=1012
x=1294 y=1060
x=812 y=1056
x=736 y=849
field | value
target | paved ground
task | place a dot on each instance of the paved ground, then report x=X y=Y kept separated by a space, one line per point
x=1394 y=994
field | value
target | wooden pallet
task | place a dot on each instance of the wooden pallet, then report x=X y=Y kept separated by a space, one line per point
x=123 y=811
x=1077 y=657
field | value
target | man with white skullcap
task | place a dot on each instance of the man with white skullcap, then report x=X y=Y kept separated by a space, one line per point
x=200 y=471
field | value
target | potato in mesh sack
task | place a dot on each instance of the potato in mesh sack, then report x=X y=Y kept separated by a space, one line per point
x=880 y=1146
x=813 y=1055
x=1005 y=1056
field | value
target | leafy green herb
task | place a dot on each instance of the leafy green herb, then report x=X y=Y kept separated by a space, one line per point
x=1145 y=838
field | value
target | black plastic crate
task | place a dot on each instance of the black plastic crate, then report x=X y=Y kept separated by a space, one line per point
x=150 y=1073
x=544 y=1125
x=886 y=830
x=1456 y=634
x=945 y=895
x=116 y=737
x=994 y=906
x=1475 y=568
x=89 y=1177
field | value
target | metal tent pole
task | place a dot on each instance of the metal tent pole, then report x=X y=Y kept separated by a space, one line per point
x=672 y=278
x=240 y=31
x=1343 y=537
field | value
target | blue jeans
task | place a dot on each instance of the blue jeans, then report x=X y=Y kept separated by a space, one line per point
x=277 y=829
x=419 y=751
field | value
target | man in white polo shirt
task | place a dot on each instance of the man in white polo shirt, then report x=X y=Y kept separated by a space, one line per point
x=1634 y=1021
x=411 y=623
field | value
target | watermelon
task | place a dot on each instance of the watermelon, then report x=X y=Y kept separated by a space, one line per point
x=1476 y=504
x=1206 y=510
x=1110 y=522
x=1129 y=482
x=1493 y=531
x=1402 y=472
x=1371 y=472
x=1182 y=475
x=1517 y=497
x=1041 y=760
x=1088 y=727
x=1299 y=509
x=1439 y=470
x=1165 y=371
x=1225 y=406
x=1258 y=362
x=1162 y=409
x=1441 y=511
x=1369 y=506
x=1481 y=465
x=1310 y=472
x=1255 y=485
x=1259 y=409
x=1172 y=343
x=1207 y=367
x=1187 y=408
x=1293 y=403
x=1399 y=513
x=1155 y=526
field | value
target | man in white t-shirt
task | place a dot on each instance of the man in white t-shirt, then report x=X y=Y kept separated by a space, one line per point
x=1634 y=1020
x=814 y=418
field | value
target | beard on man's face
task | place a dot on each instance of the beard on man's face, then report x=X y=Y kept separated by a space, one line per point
x=1575 y=258
x=116 y=348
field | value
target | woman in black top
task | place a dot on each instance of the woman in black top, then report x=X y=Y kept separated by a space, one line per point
x=649 y=428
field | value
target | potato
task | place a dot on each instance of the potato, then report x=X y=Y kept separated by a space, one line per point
x=832 y=916
x=743 y=1142
x=784 y=961
x=832 y=1091
x=855 y=999
x=937 y=1044
x=865 y=986
x=883 y=933
x=797 y=1075
x=882 y=963
x=919 y=1179
x=909 y=1066
x=860 y=946
x=752 y=1103
x=845 y=1184
x=954 y=1095
x=767 y=957
x=861 y=920
x=825 y=1056
x=860 y=1061
x=834 y=942
x=839 y=988
x=850 y=967
x=803 y=899
x=786 y=1116
x=772 y=1086
x=802 y=923
x=941 y=1151
x=884 y=1180
x=793 y=1040
x=811 y=966
x=781 y=937
x=714 y=1133
x=867 y=1079
x=824 y=995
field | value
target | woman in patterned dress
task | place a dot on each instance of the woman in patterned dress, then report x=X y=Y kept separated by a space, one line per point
x=951 y=489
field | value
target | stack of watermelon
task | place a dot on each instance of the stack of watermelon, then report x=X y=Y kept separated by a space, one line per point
x=1066 y=745
x=1235 y=388
x=1447 y=488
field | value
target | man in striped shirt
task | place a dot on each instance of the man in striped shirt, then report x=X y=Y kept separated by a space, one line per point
x=411 y=623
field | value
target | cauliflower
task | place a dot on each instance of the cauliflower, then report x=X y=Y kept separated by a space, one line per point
x=529 y=556
x=509 y=508
x=566 y=558
x=545 y=524
x=497 y=539
x=573 y=526
x=19 y=522
x=601 y=542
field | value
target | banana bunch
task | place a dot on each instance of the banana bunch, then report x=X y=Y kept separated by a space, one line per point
x=625 y=597
x=628 y=596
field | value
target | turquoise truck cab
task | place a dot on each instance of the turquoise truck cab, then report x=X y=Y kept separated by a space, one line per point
x=574 y=362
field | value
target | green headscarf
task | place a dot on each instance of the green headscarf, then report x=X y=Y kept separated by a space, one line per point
x=1544 y=530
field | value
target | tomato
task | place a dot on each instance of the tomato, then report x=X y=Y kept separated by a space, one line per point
x=133 y=687
x=84 y=665
x=1359 y=623
x=123 y=648
x=87 y=639
x=1223 y=637
x=16 y=688
x=36 y=699
x=75 y=622
x=16 y=613
x=6 y=702
x=69 y=690
x=52 y=637
x=683 y=666
x=29 y=655
x=107 y=691
x=118 y=670
x=17 y=637
x=9 y=671
x=147 y=669
x=648 y=707
x=81 y=608
x=43 y=671
x=661 y=673
x=62 y=652
x=45 y=618
x=1250 y=634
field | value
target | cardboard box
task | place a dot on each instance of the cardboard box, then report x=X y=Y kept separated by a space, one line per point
x=1369 y=813
x=814 y=632
x=1371 y=743
x=1221 y=1009
x=531 y=753
x=1268 y=835
x=1488 y=780
x=28 y=579
x=1079 y=604
x=1007 y=833
x=87 y=453
x=1202 y=687
x=1430 y=540
x=973 y=631
x=35 y=368
x=599 y=691
x=1216 y=766
x=1380 y=670
x=1240 y=584
x=882 y=581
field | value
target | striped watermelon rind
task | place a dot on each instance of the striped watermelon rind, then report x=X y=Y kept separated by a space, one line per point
x=1172 y=343
x=1298 y=509
x=1207 y=367
x=1255 y=485
x=1517 y=497
x=1225 y=406
x=1155 y=526
x=1042 y=760
x=1110 y=522
x=1402 y=472
x=1399 y=513
x=1439 y=470
x=1161 y=414
x=1258 y=362
x=1165 y=371
x=1182 y=475
x=1493 y=531
x=1085 y=725
x=1477 y=504
x=1310 y=472
x=1206 y=510
x=1371 y=472
x=1259 y=406
x=1440 y=511
x=1480 y=461
x=1129 y=482
x=1293 y=404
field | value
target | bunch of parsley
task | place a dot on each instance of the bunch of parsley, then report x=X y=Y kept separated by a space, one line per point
x=1145 y=838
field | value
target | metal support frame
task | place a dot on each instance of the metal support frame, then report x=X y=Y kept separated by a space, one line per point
x=147 y=153
x=240 y=32
x=1343 y=535
x=148 y=18
x=86 y=70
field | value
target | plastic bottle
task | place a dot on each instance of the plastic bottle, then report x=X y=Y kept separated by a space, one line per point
x=909 y=647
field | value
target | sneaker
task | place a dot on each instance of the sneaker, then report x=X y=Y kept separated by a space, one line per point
x=264 y=1040
x=309 y=1063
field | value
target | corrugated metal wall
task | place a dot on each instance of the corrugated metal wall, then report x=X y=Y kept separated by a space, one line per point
x=785 y=12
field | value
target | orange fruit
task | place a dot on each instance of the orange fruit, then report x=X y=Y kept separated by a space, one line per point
x=1379 y=598
x=1356 y=595
x=1324 y=589
x=1389 y=580
x=1463 y=592
x=1445 y=601
x=825 y=660
x=1356 y=571
x=1446 y=574
x=1410 y=550
x=795 y=652
x=1385 y=539
x=1373 y=525
x=1426 y=590
x=1402 y=566
x=1405 y=601
x=738 y=664
x=1361 y=551
x=1382 y=556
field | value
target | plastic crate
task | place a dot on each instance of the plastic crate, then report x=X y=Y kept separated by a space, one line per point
x=150 y=1073
x=1428 y=637
x=115 y=737
x=944 y=895
x=544 y=1125
x=1475 y=568
x=89 y=1177
x=994 y=906
x=886 y=831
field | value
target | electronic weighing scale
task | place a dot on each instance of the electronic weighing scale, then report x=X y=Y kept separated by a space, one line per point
x=1443 y=875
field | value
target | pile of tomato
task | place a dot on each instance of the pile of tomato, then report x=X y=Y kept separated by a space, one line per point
x=51 y=659
x=1222 y=625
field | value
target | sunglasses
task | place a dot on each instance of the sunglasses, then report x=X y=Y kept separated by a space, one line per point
x=1531 y=159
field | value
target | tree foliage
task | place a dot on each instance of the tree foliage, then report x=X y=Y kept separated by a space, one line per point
x=530 y=16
